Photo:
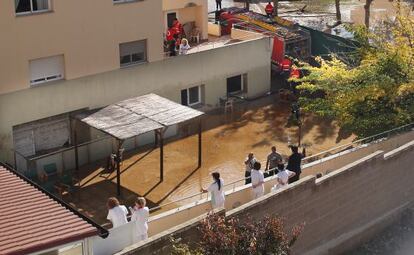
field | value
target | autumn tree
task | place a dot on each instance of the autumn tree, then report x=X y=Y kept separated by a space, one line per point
x=234 y=237
x=375 y=95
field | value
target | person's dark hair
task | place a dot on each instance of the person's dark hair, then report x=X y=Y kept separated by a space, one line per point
x=280 y=167
x=112 y=202
x=294 y=149
x=257 y=166
x=216 y=177
x=318 y=175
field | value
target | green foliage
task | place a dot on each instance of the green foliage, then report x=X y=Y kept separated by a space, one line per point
x=231 y=237
x=378 y=93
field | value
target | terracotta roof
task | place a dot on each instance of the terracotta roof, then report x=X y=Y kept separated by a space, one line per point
x=31 y=221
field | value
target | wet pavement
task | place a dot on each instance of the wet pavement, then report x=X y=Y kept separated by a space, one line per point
x=320 y=13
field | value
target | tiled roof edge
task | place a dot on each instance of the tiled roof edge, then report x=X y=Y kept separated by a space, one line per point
x=102 y=232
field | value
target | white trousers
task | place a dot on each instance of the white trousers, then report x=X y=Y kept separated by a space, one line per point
x=258 y=192
x=142 y=237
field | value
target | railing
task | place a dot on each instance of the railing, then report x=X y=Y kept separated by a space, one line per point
x=222 y=41
x=386 y=134
x=320 y=156
x=31 y=162
x=231 y=184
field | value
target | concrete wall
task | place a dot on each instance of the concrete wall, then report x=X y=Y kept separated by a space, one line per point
x=118 y=239
x=341 y=209
x=165 y=78
x=87 y=33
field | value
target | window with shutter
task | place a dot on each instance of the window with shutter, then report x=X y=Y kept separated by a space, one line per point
x=131 y=53
x=46 y=69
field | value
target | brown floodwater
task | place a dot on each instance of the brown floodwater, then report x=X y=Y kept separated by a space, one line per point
x=255 y=127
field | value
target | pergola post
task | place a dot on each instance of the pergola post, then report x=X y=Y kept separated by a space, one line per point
x=199 y=142
x=155 y=138
x=118 y=168
x=161 y=142
x=75 y=138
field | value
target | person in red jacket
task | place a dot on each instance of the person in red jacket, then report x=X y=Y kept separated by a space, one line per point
x=269 y=9
x=170 y=34
x=178 y=27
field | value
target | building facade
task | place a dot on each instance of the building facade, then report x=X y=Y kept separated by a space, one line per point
x=60 y=57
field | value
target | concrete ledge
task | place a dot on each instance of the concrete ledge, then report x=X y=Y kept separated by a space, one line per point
x=395 y=152
x=349 y=167
x=304 y=183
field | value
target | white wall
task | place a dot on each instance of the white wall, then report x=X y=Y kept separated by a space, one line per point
x=118 y=239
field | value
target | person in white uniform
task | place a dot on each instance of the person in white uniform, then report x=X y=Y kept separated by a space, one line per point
x=140 y=216
x=282 y=177
x=216 y=190
x=257 y=180
x=117 y=214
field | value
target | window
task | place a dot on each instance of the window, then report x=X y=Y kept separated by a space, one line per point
x=31 y=6
x=133 y=53
x=170 y=18
x=237 y=84
x=46 y=69
x=191 y=96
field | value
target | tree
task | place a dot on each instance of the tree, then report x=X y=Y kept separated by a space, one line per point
x=338 y=10
x=275 y=8
x=367 y=8
x=231 y=237
x=375 y=95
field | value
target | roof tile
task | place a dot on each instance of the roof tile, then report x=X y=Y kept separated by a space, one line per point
x=30 y=221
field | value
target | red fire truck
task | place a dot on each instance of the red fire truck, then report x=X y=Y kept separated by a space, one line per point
x=289 y=40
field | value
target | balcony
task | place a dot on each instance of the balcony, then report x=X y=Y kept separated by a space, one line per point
x=215 y=40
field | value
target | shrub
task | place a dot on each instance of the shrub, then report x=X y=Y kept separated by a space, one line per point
x=247 y=237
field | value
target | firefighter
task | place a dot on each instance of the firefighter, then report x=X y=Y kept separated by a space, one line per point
x=178 y=27
x=269 y=10
x=171 y=40
x=170 y=34
x=294 y=73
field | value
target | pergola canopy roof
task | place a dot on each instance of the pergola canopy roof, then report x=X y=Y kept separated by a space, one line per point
x=139 y=115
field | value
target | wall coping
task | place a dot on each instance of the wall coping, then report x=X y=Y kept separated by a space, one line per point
x=349 y=167
x=308 y=180
x=397 y=151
